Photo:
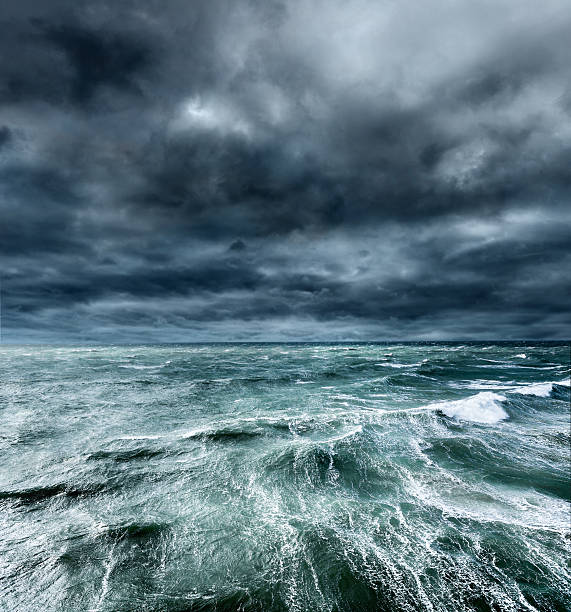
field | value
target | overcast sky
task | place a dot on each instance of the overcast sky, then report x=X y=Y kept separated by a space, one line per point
x=299 y=170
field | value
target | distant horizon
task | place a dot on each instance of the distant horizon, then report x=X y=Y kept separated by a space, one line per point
x=522 y=341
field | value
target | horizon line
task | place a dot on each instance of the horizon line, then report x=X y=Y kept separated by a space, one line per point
x=256 y=342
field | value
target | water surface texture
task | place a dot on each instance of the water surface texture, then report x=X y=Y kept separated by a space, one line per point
x=285 y=477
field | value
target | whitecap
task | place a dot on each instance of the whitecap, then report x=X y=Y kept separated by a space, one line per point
x=540 y=389
x=521 y=356
x=343 y=436
x=483 y=384
x=153 y=437
x=537 y=389
x=483 y=407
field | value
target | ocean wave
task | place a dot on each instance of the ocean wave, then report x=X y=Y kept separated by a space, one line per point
x=222 y=435
x=227 y=431
x=244 y=430
x=484 y=407
x=501 y=464
x=543 y=389
x=141 y=437
x=483 y=384
x=537 y=389
x=43 y=492
x=143 y=367
x=133 y=530
x=342 y=460
x=123 y=456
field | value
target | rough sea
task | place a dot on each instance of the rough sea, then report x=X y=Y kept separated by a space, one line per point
x=292 y=477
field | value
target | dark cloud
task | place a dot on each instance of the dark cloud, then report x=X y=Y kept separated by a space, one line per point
x=98 y=59
x=237 y=245
x=5 y=136
x=265 y=170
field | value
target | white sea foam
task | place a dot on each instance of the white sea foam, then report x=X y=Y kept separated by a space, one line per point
x=483 y=407
x=537 y=389
x=400 y=365
x=521 y=356
x=540 y=389
x=486 y=385
x=139 y=437
x=342 y=436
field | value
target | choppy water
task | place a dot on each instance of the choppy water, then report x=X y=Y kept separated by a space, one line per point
x=285 y=477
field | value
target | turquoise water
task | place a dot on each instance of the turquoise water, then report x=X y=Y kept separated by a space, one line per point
x=285 y=477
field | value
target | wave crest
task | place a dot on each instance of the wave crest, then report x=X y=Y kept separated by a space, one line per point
x=483 y=407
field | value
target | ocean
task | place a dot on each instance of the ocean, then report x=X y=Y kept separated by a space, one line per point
x=292 y=477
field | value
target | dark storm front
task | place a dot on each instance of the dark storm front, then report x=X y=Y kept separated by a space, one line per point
x=285 y=477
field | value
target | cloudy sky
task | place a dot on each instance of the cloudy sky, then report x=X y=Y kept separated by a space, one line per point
x=301 y=170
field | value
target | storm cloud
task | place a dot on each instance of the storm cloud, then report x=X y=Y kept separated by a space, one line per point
x=299 y=170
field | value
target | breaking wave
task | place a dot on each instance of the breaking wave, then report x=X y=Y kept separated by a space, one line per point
x=484 y=407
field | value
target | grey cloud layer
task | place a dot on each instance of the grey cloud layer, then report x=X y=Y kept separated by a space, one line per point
x=297 y=170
